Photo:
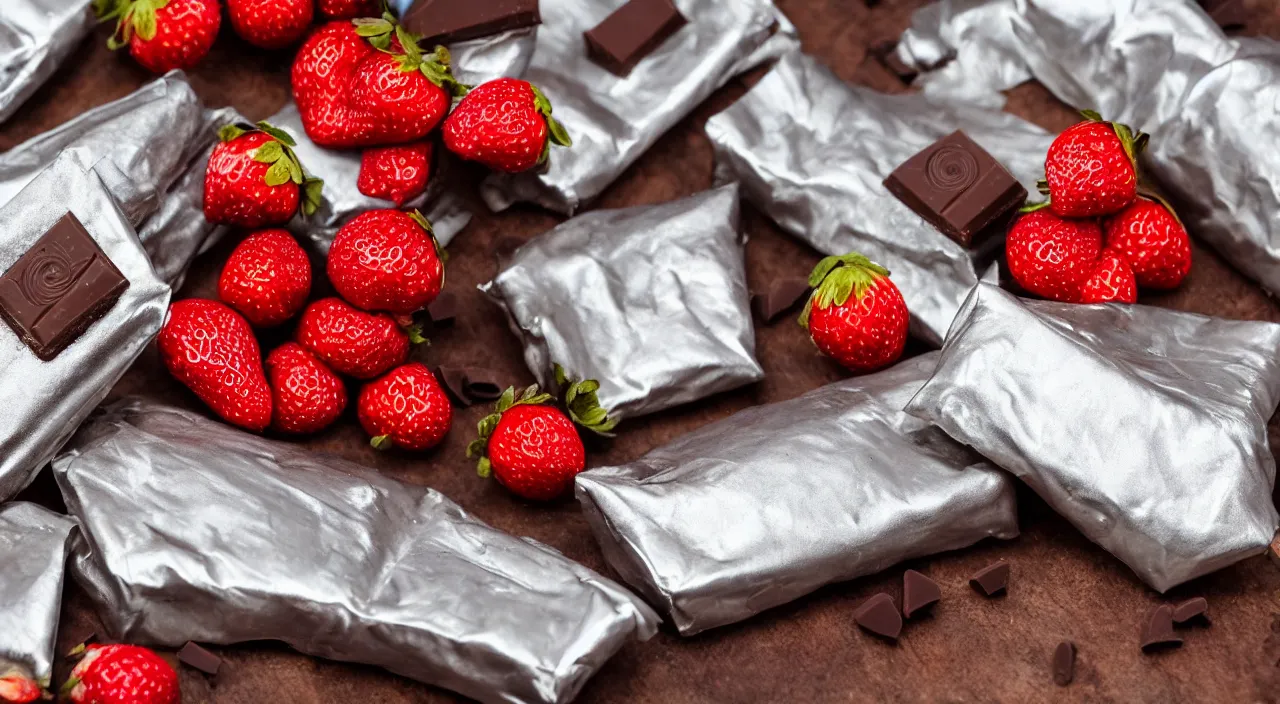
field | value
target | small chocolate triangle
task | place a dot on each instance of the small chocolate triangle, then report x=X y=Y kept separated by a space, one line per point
x=1157 y=630
x=1064 y=663
x=992 y=579
x=918 y=592
x=1196 y=608
x=454 y=381
x=880 y=617
x=782 y=295
x=193 y=655
x=443 y=309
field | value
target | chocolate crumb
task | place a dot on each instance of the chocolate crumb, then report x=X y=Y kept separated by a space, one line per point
x=1064 y=663
x=1192 y=609
x=880 y=617
x=918 y=593
x=195 y=656
x=1157 y=630
x=783 y=295
x=992 y=579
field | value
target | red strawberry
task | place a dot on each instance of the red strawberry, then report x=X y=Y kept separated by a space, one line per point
x=122 y=674
x=211 y=349
x=1051 y=256
x=17 y=687
x=405 y=93
x=1151 y=238
x=386 y=260
x=321 y=79
x=505 y=124
x=855 y=314
x=270 y=24
x=1092 y=168
x=254 y=179
x=349 y=9
x=162 y=35
x=1111 y=281
x=267 y=278
x=397 y=174
x=308 y=395
x=351 y=341
x=406 y=408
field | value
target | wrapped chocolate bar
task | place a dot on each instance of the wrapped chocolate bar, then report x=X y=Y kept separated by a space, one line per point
x=651 y=301
x=34 y=544
x=775 y=501
x=1144 y=427
x=78 y=303
x=812 y=153
x=193 y=530
x=36 y=36
x=674 y=55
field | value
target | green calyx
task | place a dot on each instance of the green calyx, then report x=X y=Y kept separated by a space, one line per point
x=837 y=278
x=380 y=442
x=434 y=66
x=425 y=224
x=1145 y=190
x=1132 y=142
x=133 y=18
x=285 y=166
x=478 y=449
x=556 y=132
x=1043 y=187
x=583 y=405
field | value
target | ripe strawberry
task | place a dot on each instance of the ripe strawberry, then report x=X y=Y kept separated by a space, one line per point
x=351 y=341
x=349 y=9
x=270 y=24
x=321 y=79
x=211 y=349
x=162 y=35
x=406 y=408
x=254 y=179
x=386 y=260
x=122 y=674
x=405 y=93
x=397 y=174
x=855 y=314
x=1111 y=281
x=18 y=687
x=1051 y=256
x=1151 y=238
x=267 y=278
x=1092 y=168
x=505 y=124
x=308 y=395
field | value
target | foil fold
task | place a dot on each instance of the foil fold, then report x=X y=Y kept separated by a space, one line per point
x=34 y=545
x=36 y=36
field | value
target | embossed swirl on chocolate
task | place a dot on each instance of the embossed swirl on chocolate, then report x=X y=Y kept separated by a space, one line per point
x=951 y=169
x=50 y=275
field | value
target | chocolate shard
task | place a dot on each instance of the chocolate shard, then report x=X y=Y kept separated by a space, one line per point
x=58 y=288
x=886 y=53
x=443 y=309
x=783 y=295
x=447 y=21
x=992 y=579
x=482 y=385
x=1195 y=608
x=454 y=381
x=918 y=592
x=958 y=187
x=1064 y=663
x=631 y=33
x=193 y=655
x=1157 y=630
x=880 y=617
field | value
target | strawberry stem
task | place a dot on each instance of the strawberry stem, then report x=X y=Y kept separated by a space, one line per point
x=837 y=278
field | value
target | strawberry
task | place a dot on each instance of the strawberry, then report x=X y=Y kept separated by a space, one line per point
x=351 y=341
x=406 y=408
x=855 y=314
x=17 y=686
x=397 y=174
x=405 y=92
x=254 y=179
x=270 y=24
x=1051 y=256
x=349 y=9
x=386 y=260
x=267 y=278
x=505 y=124
x=321 y=79
x=1092 y=168
x=1149 y=235
x=1111 y=281
x=162 y=35
x=308 y=396
x=211 y=349
x=122 y=674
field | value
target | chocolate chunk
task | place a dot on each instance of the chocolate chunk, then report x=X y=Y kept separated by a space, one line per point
x=447 y=21
x=1228 y=14
x=58 y=288
x=783 y=295
x=631 y=33
x=193 y=655
x=992 y=579
x=1064 y=663
x=443 y=309
x=1157 y=630
x=482 y=385
x=1196 y=608
x=918 y=592
x=886 y=53
x=957 y=186
x=454 y=381
x=879 y=616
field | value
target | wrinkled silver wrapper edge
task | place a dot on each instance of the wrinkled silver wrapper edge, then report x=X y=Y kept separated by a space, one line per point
x=34 y=545
x=36 y=36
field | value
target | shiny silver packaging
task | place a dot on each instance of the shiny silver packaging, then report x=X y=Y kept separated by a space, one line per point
x=650 y=301
x=194 y=530
x=1144 y=427
x=34 y=544
x=776 y=501
x=614 y=120
x=44 y=402
x=502 y=55
x=812 y=153
x=1161 y=66
x=36 y=36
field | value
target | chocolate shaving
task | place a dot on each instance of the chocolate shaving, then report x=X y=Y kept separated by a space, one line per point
x=1157 y=630
x=880 y=617
x=1196 y=608
x=992 y=579
x=1064 y=663
x=454 y=381
x=482 y=385
x=195 y=656
x=443 y=309
x=783 y=295
x=918 y=592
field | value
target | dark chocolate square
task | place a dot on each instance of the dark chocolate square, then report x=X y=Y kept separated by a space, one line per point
x=58 y=288
x=446 y=21
x=957 y=186
x=631 y=33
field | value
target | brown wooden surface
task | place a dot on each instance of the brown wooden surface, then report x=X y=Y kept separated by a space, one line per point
x=971 y=649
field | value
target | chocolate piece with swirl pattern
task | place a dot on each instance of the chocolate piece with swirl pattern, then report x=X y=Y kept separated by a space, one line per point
x=957 y=186
x=58 y=288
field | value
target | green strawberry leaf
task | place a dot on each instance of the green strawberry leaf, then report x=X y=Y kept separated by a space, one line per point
x=270 y=153
x=1043 y=187
x=1033 y=207
x=484 y=468
x=380 y=442
x=312 y=190
x=559 y=135
x=144 y=19
x=562 y=378
x=415 y=335
x=277 y=175
x=583 y=405
x=278 y=133
x=381 y=42
x=804 y=314
x=408 y=43
x=229 y=132
x=108 y=9
x=850 y=275
x=1092 y=115
x=372 y=26
x=487 y=425
x=422 y=221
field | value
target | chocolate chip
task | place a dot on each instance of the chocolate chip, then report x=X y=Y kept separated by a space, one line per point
x=880 y=617
x=782 y=295
x=1228 y=14
x=918 y=592
x=1064 y=663
x=1157 y=630
x=1196 y=608
x=443 y=309
x=482 y=385
x=992 y=579
x=454 y=381
x=193 y=655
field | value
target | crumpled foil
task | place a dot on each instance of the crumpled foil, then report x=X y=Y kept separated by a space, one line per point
x=193 y=530
x=812 y=153
x=650 y=301
x=34 y=544
x=1162 y=66
x=614 y=120
x=36 y=36
x=506 y=54
x=1144 y=427
x=775 y=501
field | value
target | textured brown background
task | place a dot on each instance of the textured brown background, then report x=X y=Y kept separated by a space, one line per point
x=970 y=650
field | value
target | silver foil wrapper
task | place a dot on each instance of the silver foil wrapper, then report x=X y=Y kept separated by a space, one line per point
x=36 y=36
x=193 y=530
x=1161 y=66
x=502 y=55
x=775 y=501
x=34 y=545
x=1144 y=427
x=812 y=153
x=614 y=120
x=650 y=301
